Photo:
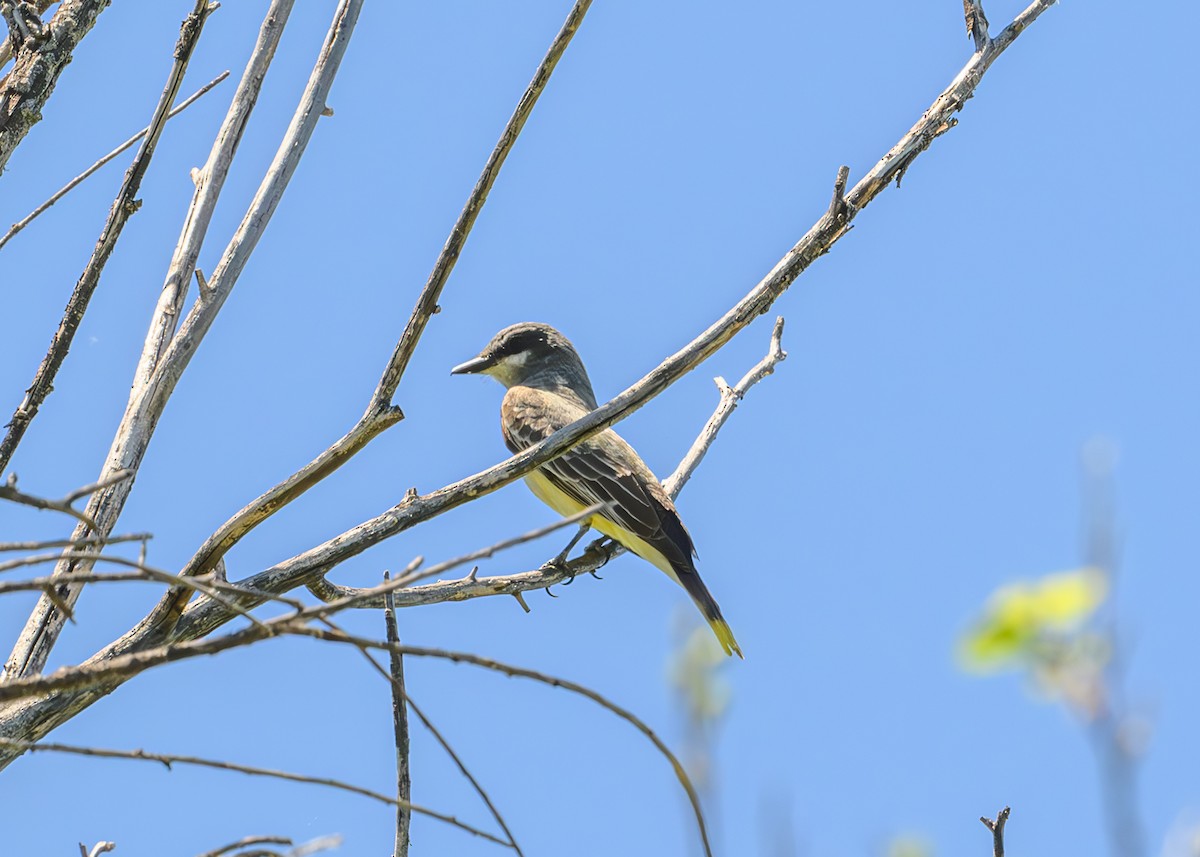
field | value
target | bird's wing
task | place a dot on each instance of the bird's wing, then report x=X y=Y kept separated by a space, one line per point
x=602 y=469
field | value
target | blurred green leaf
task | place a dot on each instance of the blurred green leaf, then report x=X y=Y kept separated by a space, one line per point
x=1021 y=619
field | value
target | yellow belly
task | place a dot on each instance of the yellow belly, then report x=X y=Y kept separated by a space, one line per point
x=566 y=505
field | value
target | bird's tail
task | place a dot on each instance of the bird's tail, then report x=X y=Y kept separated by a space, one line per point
x=708 y=606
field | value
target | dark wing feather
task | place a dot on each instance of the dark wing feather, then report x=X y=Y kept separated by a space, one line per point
x=603 y=469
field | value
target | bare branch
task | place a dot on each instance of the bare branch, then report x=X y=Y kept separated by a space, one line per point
x=341 y=597
x=123 y=206
x=9 y=492
x=400 y=727
x=25 y=90
x=148 y=401
x=246 y=842
x=977 y=23
x=97 y=849
x=79 y=179
x=427 y=302
x=170 y=759
x=997 y=828
x=433 y=730
x=6 y=48
x=380 y=413
x=731 y=397
x=89 y=541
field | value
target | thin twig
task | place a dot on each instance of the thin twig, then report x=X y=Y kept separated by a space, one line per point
x=997 y=828
x=340 y=597
x=731 y=397
x=427 y=306
x=88 y=541
x=169 y=759
x=79 y=179
x=553 y=681
x=9 y=492
x=436 y=733
x=245 y=843
x=45 y=623
x=400 y=727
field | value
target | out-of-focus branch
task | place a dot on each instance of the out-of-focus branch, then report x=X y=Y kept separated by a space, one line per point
x=997 y=827
x=102 y=847
x=171 y=759
x=79 y=179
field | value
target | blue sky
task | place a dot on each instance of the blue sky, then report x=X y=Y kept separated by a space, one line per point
x=1029 y=288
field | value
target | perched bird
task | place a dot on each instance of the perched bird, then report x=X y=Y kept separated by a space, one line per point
x=548 y=388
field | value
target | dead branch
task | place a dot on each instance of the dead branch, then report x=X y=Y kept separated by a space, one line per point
x=997 y=828
x=123 y=206
x=436 y=733
x=148 y=401
x=400 y=727
x=89 y=541
x=170 y=759
x=25 y=90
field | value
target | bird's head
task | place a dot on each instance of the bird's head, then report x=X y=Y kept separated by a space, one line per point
x=531 y=354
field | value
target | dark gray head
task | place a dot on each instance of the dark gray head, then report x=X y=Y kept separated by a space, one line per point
x=533 y=355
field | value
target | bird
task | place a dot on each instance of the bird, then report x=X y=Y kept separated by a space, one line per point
x=547 y=389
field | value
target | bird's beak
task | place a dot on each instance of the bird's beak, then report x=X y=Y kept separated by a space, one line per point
x=473 y=366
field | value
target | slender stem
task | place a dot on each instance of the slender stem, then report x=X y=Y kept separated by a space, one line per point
x=400 y=726
x=79 y=179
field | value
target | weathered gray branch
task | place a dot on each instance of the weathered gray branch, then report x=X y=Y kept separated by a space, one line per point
x=148 y=397
x=123 y=206
x=997 y=827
